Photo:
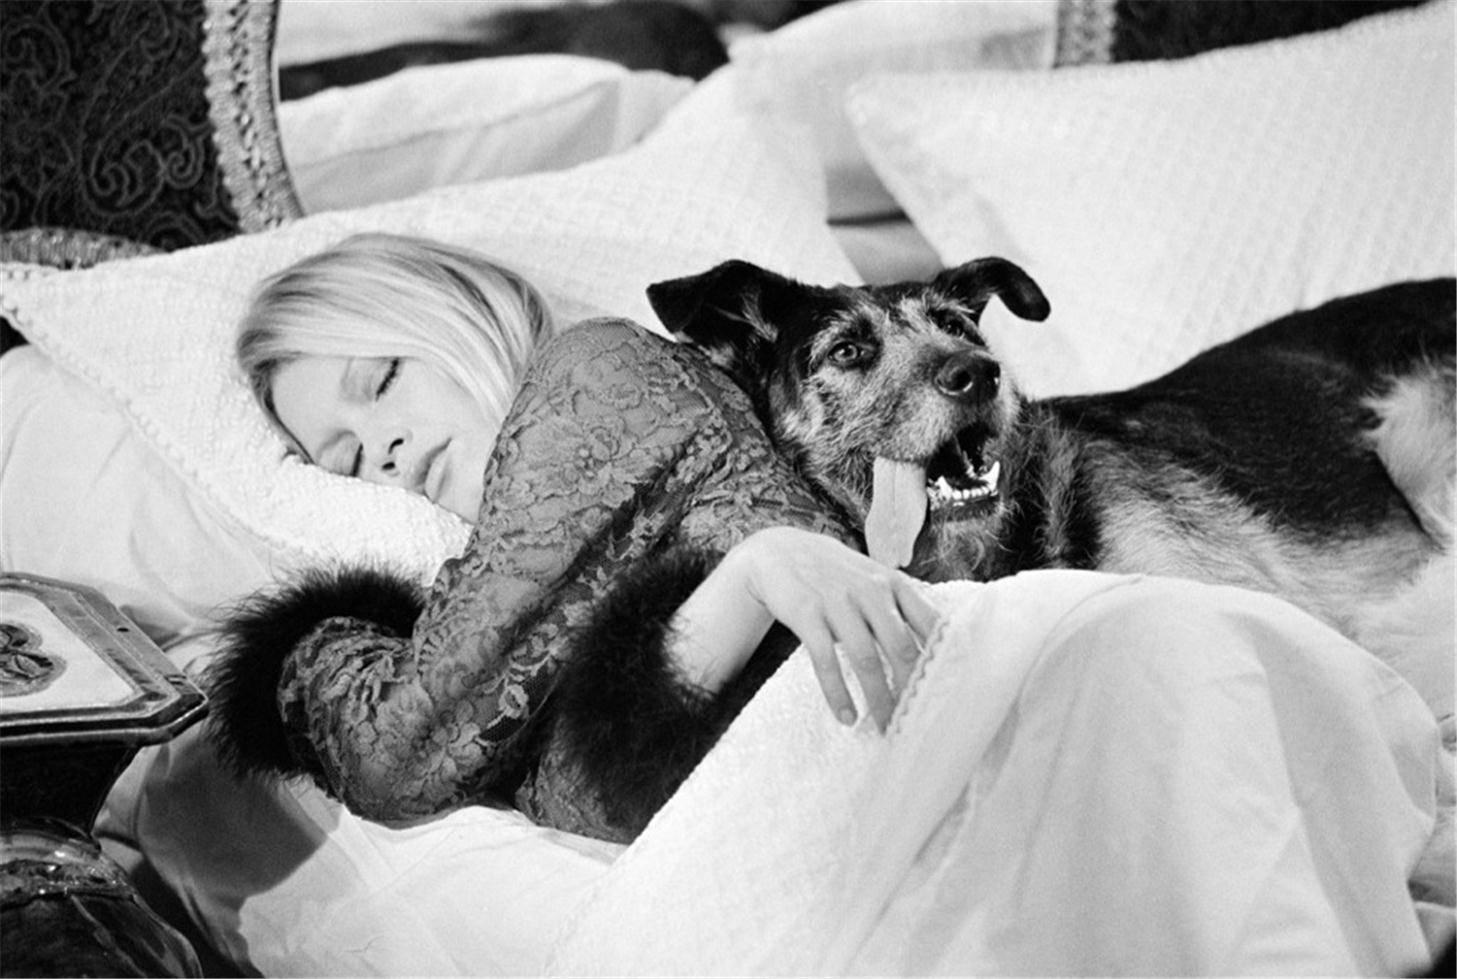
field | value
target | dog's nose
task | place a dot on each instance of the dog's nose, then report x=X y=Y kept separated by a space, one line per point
x=967 y=377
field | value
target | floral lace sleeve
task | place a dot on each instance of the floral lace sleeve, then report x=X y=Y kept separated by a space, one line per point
x=619 y=444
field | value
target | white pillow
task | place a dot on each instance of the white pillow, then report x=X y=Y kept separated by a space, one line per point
x=800 y=72
x=438 y=125
x=155 y=334
x=85 y=499
x=1166 y=206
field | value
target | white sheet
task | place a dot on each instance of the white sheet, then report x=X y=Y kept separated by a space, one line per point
x=1285 y=821
x=1037 y=809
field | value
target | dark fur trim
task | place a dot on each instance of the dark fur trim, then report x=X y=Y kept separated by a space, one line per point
x=630 y=723
x=260 y=634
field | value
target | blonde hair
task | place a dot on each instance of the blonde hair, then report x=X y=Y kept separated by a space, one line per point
x=385 y=295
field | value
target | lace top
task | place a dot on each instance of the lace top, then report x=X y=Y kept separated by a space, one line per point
x=619 y=444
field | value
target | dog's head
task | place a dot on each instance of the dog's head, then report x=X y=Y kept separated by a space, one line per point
x=873 y=390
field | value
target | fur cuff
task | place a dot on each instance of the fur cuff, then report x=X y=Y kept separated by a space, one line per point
x=259 y=635
x=630 y=724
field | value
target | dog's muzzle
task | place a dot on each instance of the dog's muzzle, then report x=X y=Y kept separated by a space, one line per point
x=957 y=483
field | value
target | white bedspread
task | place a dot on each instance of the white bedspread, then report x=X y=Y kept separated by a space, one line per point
x=1035 y=809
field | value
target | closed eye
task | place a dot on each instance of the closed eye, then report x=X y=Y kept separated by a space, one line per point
x=390 y=374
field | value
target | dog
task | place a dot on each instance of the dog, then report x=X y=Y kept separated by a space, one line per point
x=1312 y=457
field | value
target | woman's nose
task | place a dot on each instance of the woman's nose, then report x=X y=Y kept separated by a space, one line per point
x=387 y=456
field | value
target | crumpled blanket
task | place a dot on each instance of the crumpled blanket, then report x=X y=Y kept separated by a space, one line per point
x=1088 y=775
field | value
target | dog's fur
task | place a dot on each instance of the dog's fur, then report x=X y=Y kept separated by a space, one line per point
x=1312 y=458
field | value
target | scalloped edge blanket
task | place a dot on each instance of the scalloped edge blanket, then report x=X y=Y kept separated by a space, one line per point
x=968 y=839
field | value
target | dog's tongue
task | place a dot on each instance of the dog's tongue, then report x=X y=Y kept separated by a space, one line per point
x=897 y=511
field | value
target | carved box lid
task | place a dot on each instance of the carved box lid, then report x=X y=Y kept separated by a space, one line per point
x=73 y=668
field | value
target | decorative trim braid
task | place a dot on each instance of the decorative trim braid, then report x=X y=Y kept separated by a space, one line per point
x=67 y=248
x=1085 y=32
x=237 y=51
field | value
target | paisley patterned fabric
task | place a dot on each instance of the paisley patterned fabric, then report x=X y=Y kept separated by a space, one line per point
x=132 y=128
x=620 y=445
x=107 y=125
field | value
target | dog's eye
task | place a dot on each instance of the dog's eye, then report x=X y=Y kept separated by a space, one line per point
x=847 y=354
x=957 y=328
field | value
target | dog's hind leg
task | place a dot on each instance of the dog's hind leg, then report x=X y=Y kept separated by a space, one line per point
x=1416 y=440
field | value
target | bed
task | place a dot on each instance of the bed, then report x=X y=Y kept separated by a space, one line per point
x=1171 y=174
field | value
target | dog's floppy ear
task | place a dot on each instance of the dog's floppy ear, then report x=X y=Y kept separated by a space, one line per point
x=975 y=282
x=730 y=311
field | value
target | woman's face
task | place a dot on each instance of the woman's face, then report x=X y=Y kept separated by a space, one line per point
x=395 y=421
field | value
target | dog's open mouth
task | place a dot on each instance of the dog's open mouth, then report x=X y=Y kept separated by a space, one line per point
x=959 y=474
x=958 y=481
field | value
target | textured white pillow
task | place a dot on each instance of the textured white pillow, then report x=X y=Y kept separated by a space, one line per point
x=85 y=499
x=1168 y=206
x=438 y=125
x=800 y=72
x=155 y=334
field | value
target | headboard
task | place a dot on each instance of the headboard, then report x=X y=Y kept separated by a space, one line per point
x=93 y=172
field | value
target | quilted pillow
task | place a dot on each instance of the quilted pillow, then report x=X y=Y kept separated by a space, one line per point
x=85 y=499
x=437 y=125
x=799 y=73
x=1166 y=206
x=155 y=333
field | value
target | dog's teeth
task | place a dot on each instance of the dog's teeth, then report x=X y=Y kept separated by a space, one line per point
x=943 y=493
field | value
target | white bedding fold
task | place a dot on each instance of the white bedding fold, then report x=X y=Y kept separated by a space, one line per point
x=1081 y=781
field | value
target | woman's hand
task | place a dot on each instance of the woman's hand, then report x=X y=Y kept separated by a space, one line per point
x=828 y=595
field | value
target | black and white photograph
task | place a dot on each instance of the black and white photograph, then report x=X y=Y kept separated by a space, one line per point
x=728 y=488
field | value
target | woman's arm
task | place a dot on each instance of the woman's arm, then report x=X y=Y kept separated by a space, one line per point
x=828 y=595
x=672 y=653
x=619 y=449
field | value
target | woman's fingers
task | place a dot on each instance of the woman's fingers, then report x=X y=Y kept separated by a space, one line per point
x=832 y=596
x=821 y=649
x=919 y=614
x=896 y=639
x=863 y=656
